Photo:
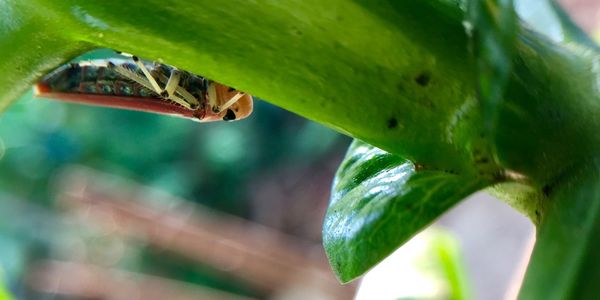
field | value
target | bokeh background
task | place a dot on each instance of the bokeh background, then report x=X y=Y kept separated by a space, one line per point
x=100 y=203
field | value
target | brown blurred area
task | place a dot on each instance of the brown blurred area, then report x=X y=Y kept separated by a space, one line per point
x=271 y=263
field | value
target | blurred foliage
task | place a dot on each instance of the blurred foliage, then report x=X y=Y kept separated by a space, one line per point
x=207 y=163
x=5 y=294
x=430 y=266
x=201 y=162
x=213 y=164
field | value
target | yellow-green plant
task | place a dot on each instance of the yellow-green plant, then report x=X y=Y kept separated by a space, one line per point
x=446 y=97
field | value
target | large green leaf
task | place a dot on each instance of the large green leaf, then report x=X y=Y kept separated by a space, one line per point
x=565 y=263
x=395 y=74
x=379 y=201
x=361 y=67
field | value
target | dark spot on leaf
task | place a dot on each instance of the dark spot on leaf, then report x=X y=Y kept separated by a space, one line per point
x=423 y=79
x=482 y=160
x=392 y=123
x=546 y=190
x=498 y=175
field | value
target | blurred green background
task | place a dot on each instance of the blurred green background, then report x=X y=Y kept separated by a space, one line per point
x=230 y=167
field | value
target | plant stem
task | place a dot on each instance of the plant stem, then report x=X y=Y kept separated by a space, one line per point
x=566 y=260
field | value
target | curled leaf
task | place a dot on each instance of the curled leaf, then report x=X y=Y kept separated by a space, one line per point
x=379 y=201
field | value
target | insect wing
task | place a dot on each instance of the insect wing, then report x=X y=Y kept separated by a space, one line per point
x=151 y=105
x=118 y=83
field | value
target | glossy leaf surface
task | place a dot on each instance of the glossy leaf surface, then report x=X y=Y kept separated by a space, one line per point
x=379 y=201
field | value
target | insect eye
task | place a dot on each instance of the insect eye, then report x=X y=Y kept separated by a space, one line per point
x=229 y=116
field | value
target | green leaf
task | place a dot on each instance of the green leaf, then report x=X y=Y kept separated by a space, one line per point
x=494 y=28
x=379 y=201
x=565 y=263
x=324 y=60
x=395 y=74
x=454 y=268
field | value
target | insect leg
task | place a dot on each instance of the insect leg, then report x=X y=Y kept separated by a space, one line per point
x=173 y=86
x=212 y=97
x=149 y=77
x=179 y=101
x=231 y=101
x=131 y=75
x=194 y=103
x=173 y=82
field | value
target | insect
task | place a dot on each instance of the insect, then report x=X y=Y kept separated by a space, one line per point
x=136 y=84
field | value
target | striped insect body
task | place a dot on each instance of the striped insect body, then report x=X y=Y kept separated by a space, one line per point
x=136 y=84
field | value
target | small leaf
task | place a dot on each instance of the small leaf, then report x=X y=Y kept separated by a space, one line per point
x=379 y=201
x=494 y=24
x=565 y=263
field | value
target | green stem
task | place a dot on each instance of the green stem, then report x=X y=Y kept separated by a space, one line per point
x=566 y=260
